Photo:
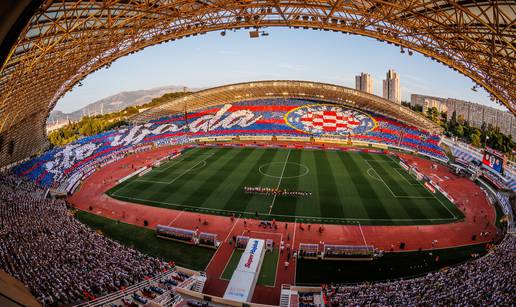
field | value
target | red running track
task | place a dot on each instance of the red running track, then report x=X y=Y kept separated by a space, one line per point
x=479 y=217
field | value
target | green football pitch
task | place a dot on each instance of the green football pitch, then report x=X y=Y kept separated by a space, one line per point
x=346 y=187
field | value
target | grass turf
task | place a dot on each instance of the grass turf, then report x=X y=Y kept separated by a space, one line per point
x=267 y=276
x=347 y=187
x=145 y=240
x=390 y=266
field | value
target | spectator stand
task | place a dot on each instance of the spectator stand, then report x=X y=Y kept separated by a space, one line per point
x=485 y=281
x=505 y=204
x=299 y=296
x=157 y=291
x=495 y=179
x=308 y=251
x=125 y=296
x=310 y=298
x=88 y=264
x=350 y=252
x=53 y=166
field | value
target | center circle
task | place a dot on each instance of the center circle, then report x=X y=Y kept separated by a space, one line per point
x=276 y=169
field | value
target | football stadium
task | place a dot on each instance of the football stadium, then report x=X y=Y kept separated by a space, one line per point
x=258 y=193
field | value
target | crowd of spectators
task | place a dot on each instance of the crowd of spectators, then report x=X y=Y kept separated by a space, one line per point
x=264 y=117
x=488 y=281
x=59 y=259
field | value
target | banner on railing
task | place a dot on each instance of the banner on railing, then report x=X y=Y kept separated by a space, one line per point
x=132 y=174
x=429 y=187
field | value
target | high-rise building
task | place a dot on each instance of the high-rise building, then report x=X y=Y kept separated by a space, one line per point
x=391 y=87
x=364 y=83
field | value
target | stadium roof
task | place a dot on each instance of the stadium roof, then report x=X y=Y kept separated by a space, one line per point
x=48 y=46
x=322 y=92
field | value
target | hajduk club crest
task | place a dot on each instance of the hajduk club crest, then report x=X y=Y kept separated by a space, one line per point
x=326 y=119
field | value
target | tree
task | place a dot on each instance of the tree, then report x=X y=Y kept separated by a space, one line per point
x=433 y=114
x=444 y=117
x=475 y=140
x=460 y=119
x=483 y=127
x=459 y=130
x=453 y=120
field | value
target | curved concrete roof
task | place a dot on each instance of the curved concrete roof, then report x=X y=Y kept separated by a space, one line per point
x=322 y=92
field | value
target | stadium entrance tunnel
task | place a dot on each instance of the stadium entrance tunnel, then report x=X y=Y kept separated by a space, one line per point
x=64 y=41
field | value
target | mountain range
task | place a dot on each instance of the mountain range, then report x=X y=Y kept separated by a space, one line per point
x=115 y=103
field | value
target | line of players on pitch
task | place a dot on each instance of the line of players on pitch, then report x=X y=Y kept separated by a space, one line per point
x=276 y=191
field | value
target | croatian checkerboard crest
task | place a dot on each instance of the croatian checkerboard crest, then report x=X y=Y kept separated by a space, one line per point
x=329 y=120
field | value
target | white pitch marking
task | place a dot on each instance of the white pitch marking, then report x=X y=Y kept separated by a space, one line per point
x=175 y=219
x=399 y=173
x=394 y=195
x=196 y=209
x=178 y=176
x=363 y=236
x=279 y=181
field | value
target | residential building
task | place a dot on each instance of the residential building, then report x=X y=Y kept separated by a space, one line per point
x=364 y=83
x=391 y=87
x=475 y=114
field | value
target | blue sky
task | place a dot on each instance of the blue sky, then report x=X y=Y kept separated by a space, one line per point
x=211 y=60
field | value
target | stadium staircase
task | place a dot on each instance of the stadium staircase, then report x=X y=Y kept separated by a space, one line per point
x=199 y=282
x=285 y=296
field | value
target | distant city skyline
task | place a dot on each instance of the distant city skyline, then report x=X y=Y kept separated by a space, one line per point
x=211 y=60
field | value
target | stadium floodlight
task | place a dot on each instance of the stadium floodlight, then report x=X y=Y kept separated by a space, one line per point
x=257 y=33
x=254 y=34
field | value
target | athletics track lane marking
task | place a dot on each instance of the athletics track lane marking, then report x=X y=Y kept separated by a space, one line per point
x=293 y=247
x=361 y=232
x=177 y=216
x=220 y=247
